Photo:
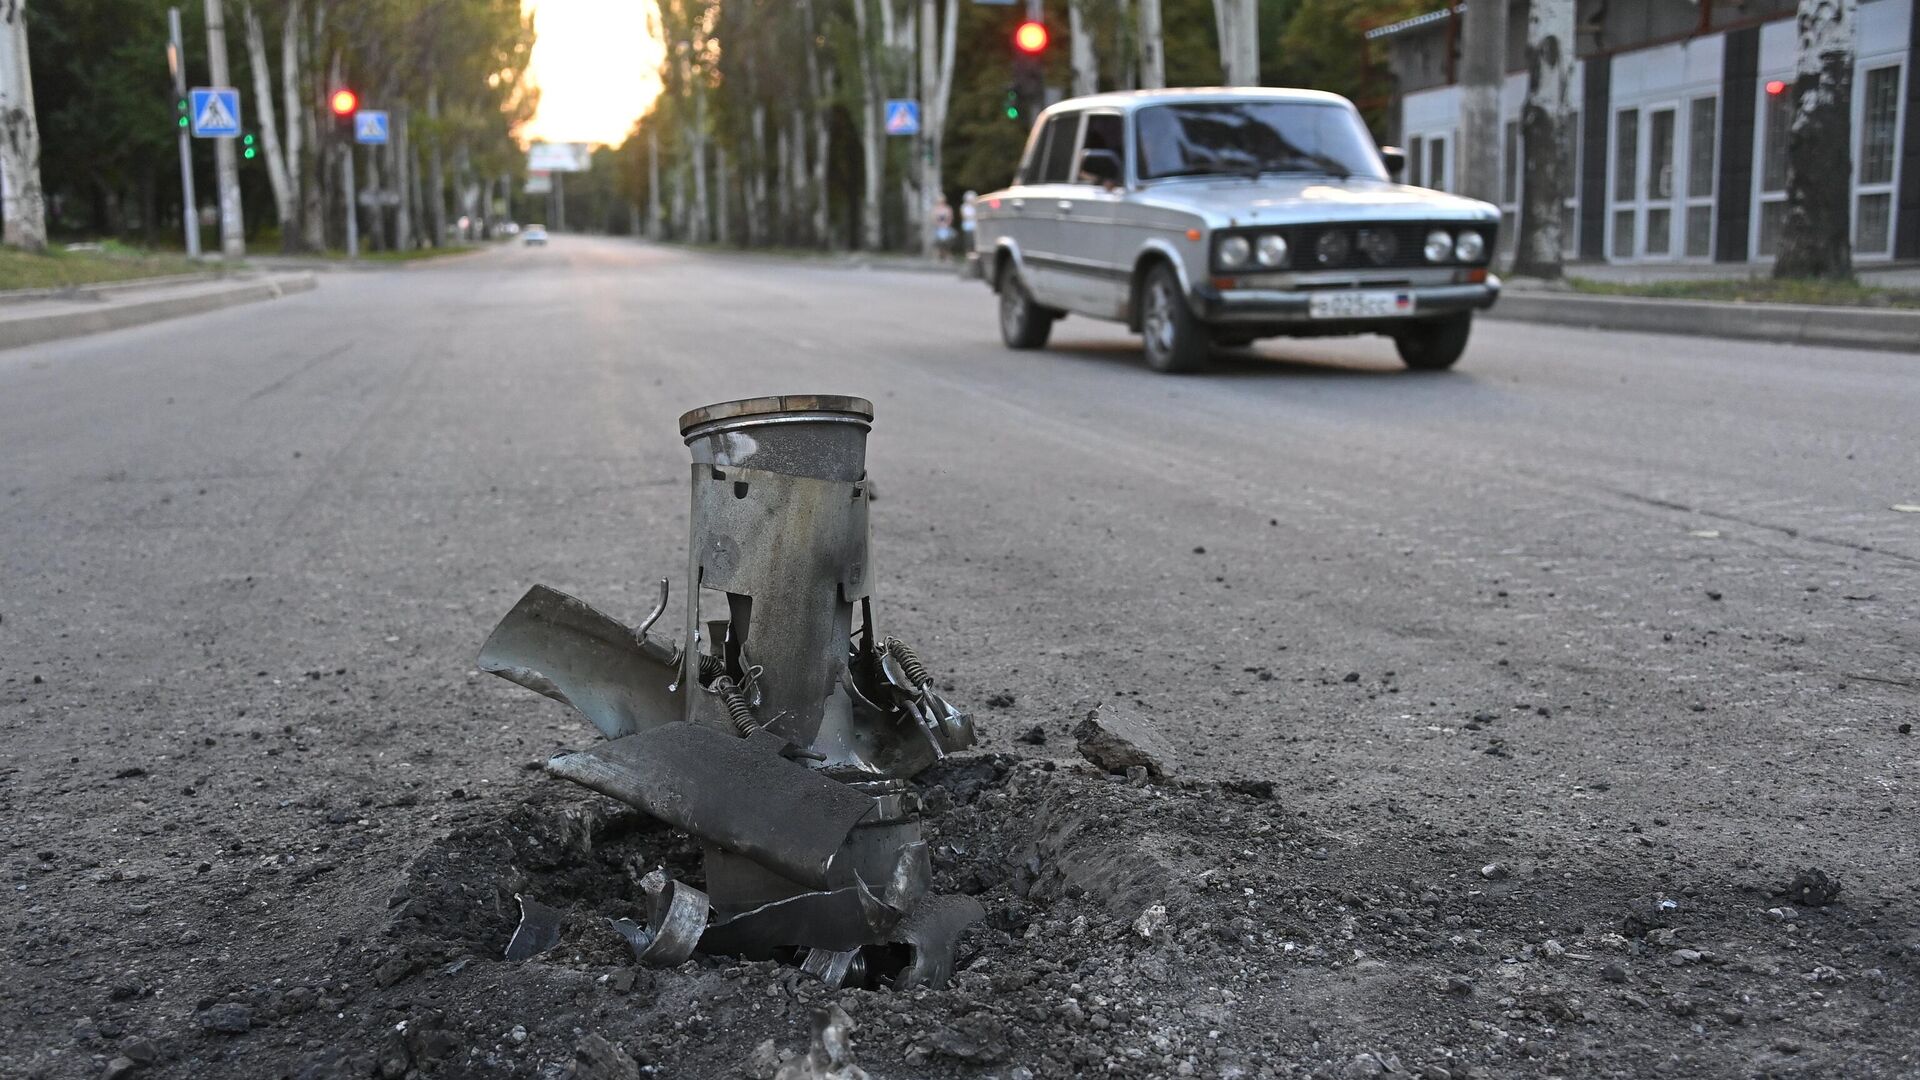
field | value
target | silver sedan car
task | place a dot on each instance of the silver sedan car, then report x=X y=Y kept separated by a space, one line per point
x=1215 y=217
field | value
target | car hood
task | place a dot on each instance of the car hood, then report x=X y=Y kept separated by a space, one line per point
x=1282 y=200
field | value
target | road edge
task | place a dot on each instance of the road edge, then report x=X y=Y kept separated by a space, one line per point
x=55 y=326
x=1791 y=324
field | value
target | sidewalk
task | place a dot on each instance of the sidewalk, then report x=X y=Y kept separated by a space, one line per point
x=32 y=317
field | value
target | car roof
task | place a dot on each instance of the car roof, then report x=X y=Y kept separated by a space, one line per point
x=1134 y=99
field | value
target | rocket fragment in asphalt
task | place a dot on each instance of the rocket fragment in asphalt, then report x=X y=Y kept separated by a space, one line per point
x=781 y=727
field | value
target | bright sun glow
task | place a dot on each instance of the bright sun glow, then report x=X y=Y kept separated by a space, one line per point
x=597 y=67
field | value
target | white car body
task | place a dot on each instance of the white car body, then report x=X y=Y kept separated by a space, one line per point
x=1076 y=245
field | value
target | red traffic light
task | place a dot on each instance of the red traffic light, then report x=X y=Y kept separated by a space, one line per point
x=1031 y=37
x=344 y=102
x=1776 y=87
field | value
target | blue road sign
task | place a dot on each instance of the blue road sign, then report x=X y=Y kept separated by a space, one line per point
x=903 y=117
x=370 y=127
x=215 y=111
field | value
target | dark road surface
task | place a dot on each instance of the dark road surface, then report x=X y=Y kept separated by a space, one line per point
x=253 y=554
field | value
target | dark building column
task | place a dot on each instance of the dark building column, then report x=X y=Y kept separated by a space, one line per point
x=1906 y=222
x=1596 y=117
x=1733 y=208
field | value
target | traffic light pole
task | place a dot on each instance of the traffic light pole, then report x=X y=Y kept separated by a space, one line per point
x=189 y=206
x=233 y=242
x=353 y=204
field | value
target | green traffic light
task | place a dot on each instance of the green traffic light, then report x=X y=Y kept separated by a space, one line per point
x=1013 y=113
x=183 y=121
x=249 y=153
x=247 y=139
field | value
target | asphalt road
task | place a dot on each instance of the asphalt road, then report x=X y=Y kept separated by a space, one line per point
x=253 y=553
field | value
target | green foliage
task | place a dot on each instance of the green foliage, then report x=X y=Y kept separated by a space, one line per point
x=58 y=269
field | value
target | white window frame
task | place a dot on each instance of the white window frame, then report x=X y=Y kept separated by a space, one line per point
x=1763 y=197
x=1686 y=201
x=1891 y=188
x=1631 y=203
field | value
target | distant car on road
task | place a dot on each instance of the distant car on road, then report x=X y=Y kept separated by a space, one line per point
x=534 y=234
x=1215 y=217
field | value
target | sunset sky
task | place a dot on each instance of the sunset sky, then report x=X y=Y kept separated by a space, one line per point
x=596 y=66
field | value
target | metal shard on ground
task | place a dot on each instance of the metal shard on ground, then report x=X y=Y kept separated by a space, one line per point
x=782 y=727
x=539 y=929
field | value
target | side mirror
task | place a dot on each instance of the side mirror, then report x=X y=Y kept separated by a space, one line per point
x=1102 y=166
x=1395 y=159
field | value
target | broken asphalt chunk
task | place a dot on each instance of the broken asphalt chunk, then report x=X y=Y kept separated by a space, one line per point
x=1117 y=741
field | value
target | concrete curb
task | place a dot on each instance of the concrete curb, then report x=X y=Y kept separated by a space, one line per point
x=103 y=288
x=1794 y=324
x=53 y=326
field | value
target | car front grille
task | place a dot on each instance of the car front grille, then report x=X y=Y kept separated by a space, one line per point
x=1366 y=245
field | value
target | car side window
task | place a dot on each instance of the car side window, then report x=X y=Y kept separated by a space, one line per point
x=1056 y=164
x=1104 y=131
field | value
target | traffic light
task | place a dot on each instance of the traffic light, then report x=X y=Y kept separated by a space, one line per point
x=1010 y=102
x=246 y=147
x=1031 y=37
x=344 y=102
x=180 y=108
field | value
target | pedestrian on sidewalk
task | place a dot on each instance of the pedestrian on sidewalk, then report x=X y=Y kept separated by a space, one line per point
x=942 y=228
x=968 y=215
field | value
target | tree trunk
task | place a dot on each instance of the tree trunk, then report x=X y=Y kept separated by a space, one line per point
x=285 y=203
x=938 y=92
x=415 y=194
x=653 y=183
x=723 y=194
x=872 y=137
x=23 y=209
x=1238 y=22
x=1483 y=52
x=1544 y=120
x=757 y=181
x=436 y=169
x=1815 y=240
x=311 y=163
x=1153 y=53
x=402 y=151
x=783 y=190
x=1086 y=69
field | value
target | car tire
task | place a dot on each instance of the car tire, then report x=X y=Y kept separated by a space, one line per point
x=1434 y=344
x=1023 y=323
x=1175 y=341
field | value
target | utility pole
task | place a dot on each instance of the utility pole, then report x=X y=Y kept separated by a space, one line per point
x=353 y=202
x=189 y=205
x=1483 y=67
x=233 y=243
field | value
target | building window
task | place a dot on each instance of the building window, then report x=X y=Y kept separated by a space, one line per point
x=1777 y=113
x=1570 y=215
x=1437 y=163
x=1703 y=140
x=1879 y=125
x=1626 y=181
x=1415 y=159
x=1660 y=189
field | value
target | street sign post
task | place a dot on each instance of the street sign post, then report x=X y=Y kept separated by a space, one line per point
x=370 y=127
x=177 y=67
x=215 y=111
x=903 y=116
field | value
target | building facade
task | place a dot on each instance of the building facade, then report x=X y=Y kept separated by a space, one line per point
x=1680 y=125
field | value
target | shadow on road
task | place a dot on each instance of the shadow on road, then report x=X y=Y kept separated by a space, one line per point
x=1241 y=362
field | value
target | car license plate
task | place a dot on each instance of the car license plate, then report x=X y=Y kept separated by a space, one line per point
x=1370 y=304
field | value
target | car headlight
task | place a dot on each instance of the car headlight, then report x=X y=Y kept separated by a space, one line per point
x=1272 y=250
x=1470 y=246
x=1234 y=251
x=1439 y=245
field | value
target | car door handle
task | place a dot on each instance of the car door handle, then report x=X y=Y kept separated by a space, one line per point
x=1065 y=205
x=1019 y=204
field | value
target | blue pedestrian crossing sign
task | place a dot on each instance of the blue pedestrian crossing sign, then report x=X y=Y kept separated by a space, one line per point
x=215 y=111
x=903 y=117
x=370 y=127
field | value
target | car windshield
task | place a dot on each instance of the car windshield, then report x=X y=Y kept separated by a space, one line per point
x=1248 y=138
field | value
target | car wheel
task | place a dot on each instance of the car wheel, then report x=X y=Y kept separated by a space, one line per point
x=1175 y=341
x=1434 y=344
x=1023 y=323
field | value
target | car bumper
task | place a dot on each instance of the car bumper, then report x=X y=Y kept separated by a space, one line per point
x=1290 y=307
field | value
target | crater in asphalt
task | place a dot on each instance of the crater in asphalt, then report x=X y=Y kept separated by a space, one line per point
x=1154 y=929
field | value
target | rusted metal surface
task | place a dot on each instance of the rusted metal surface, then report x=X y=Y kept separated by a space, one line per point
x=782 y=727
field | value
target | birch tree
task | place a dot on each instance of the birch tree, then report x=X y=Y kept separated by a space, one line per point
x=1545 y=120
x=1238 y=22
x=280 y=178
x=1815 y=238
x=1086 y=67
x=936 y=82
x=1153 y=47
x=24 y=211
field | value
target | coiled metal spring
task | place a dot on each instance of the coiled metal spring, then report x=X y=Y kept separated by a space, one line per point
x=739 y=709
x=909 y=661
